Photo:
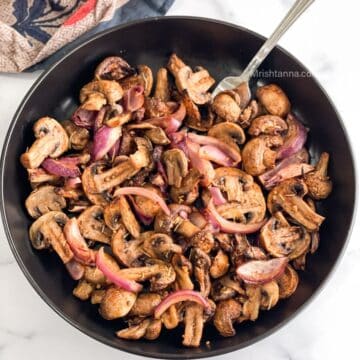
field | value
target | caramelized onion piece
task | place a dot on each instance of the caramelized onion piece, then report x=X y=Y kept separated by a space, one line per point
x=104 y=141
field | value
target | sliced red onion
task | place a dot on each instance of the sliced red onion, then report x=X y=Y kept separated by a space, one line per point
x=158 y=181
x=214 y=154
x=285 y=169
x=61 y=167
x=261 y=271
x=145 y=219
x=114 y=151
x=152 y=195
x=230 y=227
x=217 y=196
x=72 y=183
x=105 y=138
x=209 y=140
x=75 y=269
x=204 y=167
x=134 y=98
x=294 y=140
x=100 y=118
x=84 y=118
x=181 y=210
x=180 y=296
x=77 y=243
x=111 y=273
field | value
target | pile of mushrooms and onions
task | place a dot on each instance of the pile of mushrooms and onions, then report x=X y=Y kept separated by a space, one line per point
x=170 y=208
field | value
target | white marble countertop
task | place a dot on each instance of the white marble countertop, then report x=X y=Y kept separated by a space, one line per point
x=327 y=329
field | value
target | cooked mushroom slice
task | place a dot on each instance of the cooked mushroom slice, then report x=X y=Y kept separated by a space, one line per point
x=154 y=329
x=145 y=304
x=188 y=192
x=94 y=276
x=109 y=89
x=203 y=240
x=147 y=207
x=226 y=288
x=128 y=252
x=171 y=318
x=267 y=125
x=83 y=290
x=113 y=68
x=78 y=136
x=287 y=282
x=196 y=83
x=162 y=90
x=228 y=132
x=160 y=273
x=118 y=212
x=39 y=176
x=116 y=303
x=157 y=135
x=134 y=332
x=281 y=239
x=227 y=311
x=121 y=172
x=51 y=140
x=43 y=200
x=47 y=231
x=289 y=196
x=183 y=269
x=92 y=225
x=226 y=106
x=160 y=246
x=194 y=325
x=253 y=110
x=251 y=306
x=318 y=183
x=220 y=264
x=201 y=263
x=258 y=154
x=274 y=100
x=144 y=78
x=97 y=296
x=176 y=164
x=269 y=295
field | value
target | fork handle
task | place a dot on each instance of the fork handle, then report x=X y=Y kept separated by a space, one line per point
x=293 y=14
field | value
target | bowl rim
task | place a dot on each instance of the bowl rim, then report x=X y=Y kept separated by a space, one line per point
x=134 y=350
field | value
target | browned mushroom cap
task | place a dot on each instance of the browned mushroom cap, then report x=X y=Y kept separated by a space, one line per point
x=287 y=282
x=267 y=125
x=83 y=290
x=203 y=240
x=194 y=325
x=226 y=106
x=78 y=136
x=280 y=239
x=143 y=77
x=94 y=276
x=97 y=182
x=253 y=110
x=155 y=107
x=153 y=331
x=188 y=191
x=47 y=231
x=176 y=164
x=39 y=176
x=228 y=132
x=288 y=196
x=92 y=225
x=116 y=303
x=156 y=135
x=269 y=295
x=145 y=304
x=43 y=200
x=160 y=246
x=97 y=296
x=162 y=89
x=128 y=252
x=160 y=273
x=113 y=68
x=51 y=140
x=258 y=154
x=274 y=100
x=148 y=207
x=134 y=332
x=251 y=306
x=183 y=269
x=219 y=265
x=196 y=83
x=227 y=311
x=201 y=265
x=318 y=183
x=97 y=93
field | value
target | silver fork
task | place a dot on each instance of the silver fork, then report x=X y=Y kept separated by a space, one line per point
x=232 y=82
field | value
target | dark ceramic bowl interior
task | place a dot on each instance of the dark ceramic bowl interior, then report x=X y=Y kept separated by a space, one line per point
x=223 y=49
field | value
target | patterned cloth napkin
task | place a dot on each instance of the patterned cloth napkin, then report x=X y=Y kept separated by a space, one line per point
x=42 y=31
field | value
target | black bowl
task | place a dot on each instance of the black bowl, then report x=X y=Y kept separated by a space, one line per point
x=224 y=49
